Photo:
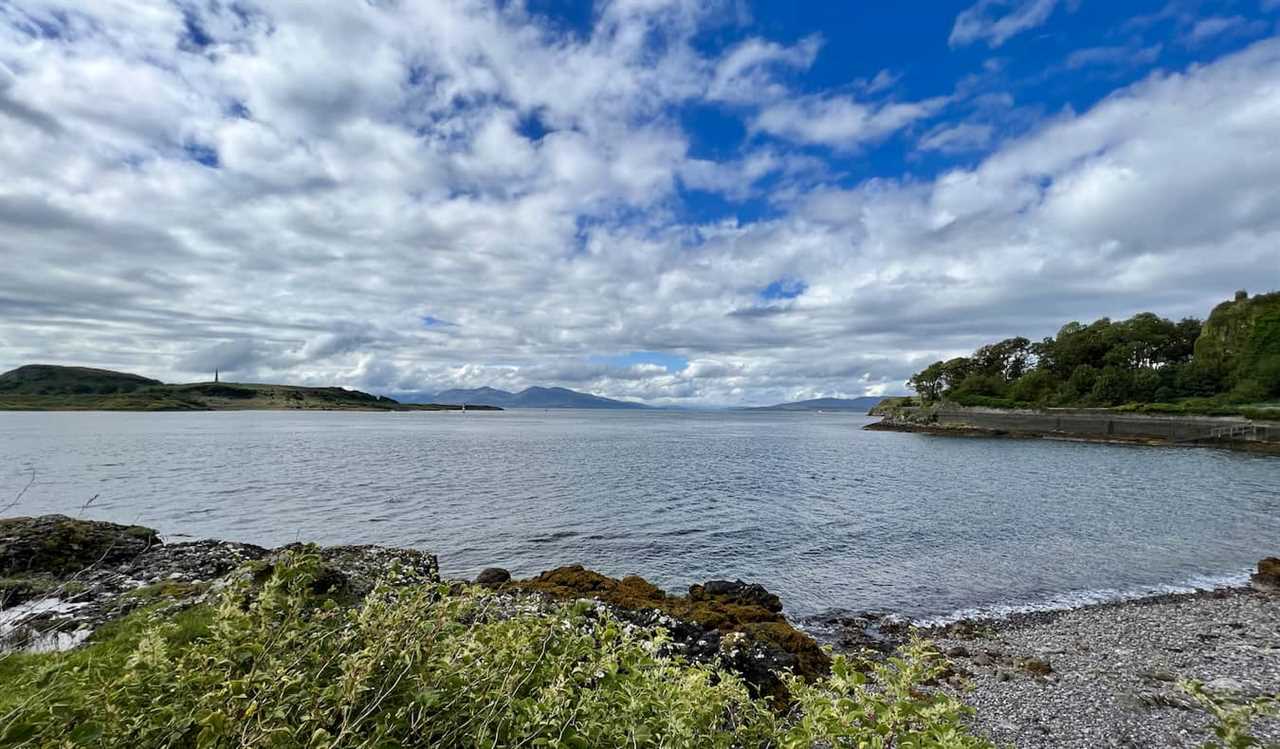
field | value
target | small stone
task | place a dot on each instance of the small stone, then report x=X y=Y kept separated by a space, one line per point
x=958 y=651
x=1037 y=666
x=1224 y=685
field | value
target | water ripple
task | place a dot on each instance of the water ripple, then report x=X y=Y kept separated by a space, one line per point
x=825 y=514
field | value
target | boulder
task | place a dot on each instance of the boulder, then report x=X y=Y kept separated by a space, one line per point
x=493 y=576
x=1267 y=578
x=58 y=545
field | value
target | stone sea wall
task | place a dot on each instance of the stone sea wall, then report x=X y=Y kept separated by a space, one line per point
x=1089 y=424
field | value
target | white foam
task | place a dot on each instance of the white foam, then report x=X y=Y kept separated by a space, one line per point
x=14 y=634
x=1080 y=599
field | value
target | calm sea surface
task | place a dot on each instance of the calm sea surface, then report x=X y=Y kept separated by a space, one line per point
x=821 y=512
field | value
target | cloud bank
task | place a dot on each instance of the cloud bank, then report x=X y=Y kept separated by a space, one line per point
x=410 y=197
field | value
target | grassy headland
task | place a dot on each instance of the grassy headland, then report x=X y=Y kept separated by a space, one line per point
x=43 y=387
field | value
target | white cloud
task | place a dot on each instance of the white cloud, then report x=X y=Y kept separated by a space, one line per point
x=957 y=138
x=840 y=122
x=1113 y=56
x=379 y=165
x=745 y=74
x=997 y=21
x=1204 y=29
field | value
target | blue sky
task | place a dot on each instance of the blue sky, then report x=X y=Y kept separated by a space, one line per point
x=700 y=203
x=1079 y=54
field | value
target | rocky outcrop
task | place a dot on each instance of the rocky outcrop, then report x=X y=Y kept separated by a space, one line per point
x=738 y=625
x=63 y=578
x=60 y=578
x=59 y=545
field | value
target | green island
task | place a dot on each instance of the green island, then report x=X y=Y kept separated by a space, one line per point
x=46 y=387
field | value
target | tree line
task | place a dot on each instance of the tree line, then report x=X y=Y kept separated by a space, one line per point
x=1234 y=357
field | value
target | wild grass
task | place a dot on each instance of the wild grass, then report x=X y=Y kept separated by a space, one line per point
x=275 y=664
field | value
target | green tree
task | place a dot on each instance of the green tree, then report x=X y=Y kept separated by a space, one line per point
x=1111 y=387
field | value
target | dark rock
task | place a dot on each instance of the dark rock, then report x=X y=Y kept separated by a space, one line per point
x=493 y=576
x=59 y=545
x=735 y=624
x=1267 y=578
x=959 y=651
x=1037 y=666
x=736 y=592
x=365 y=565
x=194 y=560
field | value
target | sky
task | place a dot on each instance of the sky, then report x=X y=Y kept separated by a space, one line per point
x=684 y=202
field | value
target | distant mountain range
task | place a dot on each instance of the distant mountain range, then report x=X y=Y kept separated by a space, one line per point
x=860 y=405
x=534 y=397
x=50 y=387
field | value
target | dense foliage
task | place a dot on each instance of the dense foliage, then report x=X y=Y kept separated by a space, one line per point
x=275 y=665
x=1232 y=358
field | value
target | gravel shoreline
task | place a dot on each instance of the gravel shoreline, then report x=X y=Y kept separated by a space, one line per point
x=1108 y=674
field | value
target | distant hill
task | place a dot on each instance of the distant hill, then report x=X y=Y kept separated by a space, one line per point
x=48 y=379
x=859 y=405
x=534 y=397
x=474 y=397
x=44 y=387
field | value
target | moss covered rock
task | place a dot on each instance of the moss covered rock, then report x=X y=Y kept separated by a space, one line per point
x=763 y=640
x=59 y=545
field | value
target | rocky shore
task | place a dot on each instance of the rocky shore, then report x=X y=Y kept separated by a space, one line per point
x=1109 y=674
x=61 y=579
x=1103 y=675
x=1080 y=425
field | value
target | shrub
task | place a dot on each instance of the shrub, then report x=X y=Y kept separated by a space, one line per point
x=1037 y=386
x=277 y=666
x=1111 y=387
x=1232 y=719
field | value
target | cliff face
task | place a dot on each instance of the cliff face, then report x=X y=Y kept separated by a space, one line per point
x=1241 y=338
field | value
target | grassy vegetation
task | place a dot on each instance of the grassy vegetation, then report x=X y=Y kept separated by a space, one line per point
x=276 y=665
x=272 y=663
